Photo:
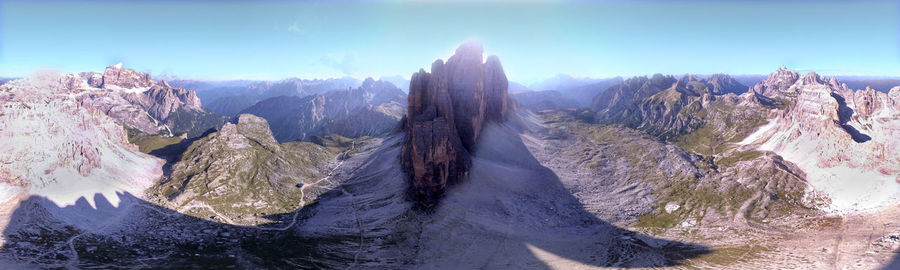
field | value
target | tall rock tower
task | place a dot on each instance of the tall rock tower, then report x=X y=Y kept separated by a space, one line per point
x=448 y=108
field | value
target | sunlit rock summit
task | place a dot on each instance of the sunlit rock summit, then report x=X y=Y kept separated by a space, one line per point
x=844 y=140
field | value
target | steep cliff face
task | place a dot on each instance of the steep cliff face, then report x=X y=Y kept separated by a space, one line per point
x=776 y=83
x=116 y=76
x=720 y=84
x=135 y=100
x=57 y=147
x=621 y=96
x=161 y=100
x=447 y=110
x=844 y=140
x=180 y=109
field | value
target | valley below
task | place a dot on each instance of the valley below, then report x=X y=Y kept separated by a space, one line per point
x=556 y=217
x=116 y=170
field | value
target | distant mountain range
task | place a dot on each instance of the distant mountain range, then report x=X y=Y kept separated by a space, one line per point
x=563 y=91
x=467 y=170
x=370 y=109
x=398 y=81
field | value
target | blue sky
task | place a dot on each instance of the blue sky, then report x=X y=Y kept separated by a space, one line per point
x=534 y=39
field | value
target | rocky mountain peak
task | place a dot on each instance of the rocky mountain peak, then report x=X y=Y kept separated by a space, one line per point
x=256 y=128
x=894 y=92
x=471 y=50
x=776 y=83
x=245 y=130
x=690 y=78
x=661 y=80
x=811 y=78
x=724 y=84
x=368 y=82
x=161 y=100
x=833 y=81
x=496 y=88
x=115 y=75
x=447 y=110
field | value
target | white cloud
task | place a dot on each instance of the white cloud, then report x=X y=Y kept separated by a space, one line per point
x=296 y=28
x=345 y=63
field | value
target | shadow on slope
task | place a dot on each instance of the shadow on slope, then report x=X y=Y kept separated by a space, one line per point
x=141 y=234
x=138 y=234
x=893 y=264
x=512 y=213
x=172 y=153
x=844 y=114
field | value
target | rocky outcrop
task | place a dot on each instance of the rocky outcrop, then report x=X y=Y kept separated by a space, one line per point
x=57 y=147
x=448 y=109
x=777 y=82
x=143 y=105
x=717 y=84
x=869 y=101
x=629 y=102
x=161 y=100
x=834 y=134
x=241 y=171
x=495 y=89
x=670 y=109
x=116 y=76
x=623 y=95
x=720 y=84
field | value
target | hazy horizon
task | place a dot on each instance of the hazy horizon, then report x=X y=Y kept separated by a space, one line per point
x=535 y=40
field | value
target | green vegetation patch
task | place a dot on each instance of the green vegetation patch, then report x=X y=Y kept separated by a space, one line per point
x=150 y=143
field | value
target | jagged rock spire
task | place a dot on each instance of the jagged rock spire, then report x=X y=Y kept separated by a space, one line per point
x=447 y=110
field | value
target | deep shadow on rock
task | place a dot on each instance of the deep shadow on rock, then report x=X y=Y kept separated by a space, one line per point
x=844 y=115
x=893 y=264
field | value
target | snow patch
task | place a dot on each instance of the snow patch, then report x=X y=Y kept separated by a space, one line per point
x=672 y=207
x=136 y=90
x=850 y=189
x=761 y=132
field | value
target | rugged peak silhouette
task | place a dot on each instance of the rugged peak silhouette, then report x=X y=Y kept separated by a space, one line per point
x=448 y=109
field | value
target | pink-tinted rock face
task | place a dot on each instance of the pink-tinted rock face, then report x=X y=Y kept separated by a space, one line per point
x=125 y=78
x=868 y=101
x=161 y=100
x=777 y=82
x=447 y=110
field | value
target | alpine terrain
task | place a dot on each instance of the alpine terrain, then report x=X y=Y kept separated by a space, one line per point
x=567 y=135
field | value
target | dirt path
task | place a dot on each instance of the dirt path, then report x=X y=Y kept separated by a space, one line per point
x=837 y=245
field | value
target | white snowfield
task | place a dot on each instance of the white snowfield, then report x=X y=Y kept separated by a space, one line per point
x=855 y=176
x=55 y=148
